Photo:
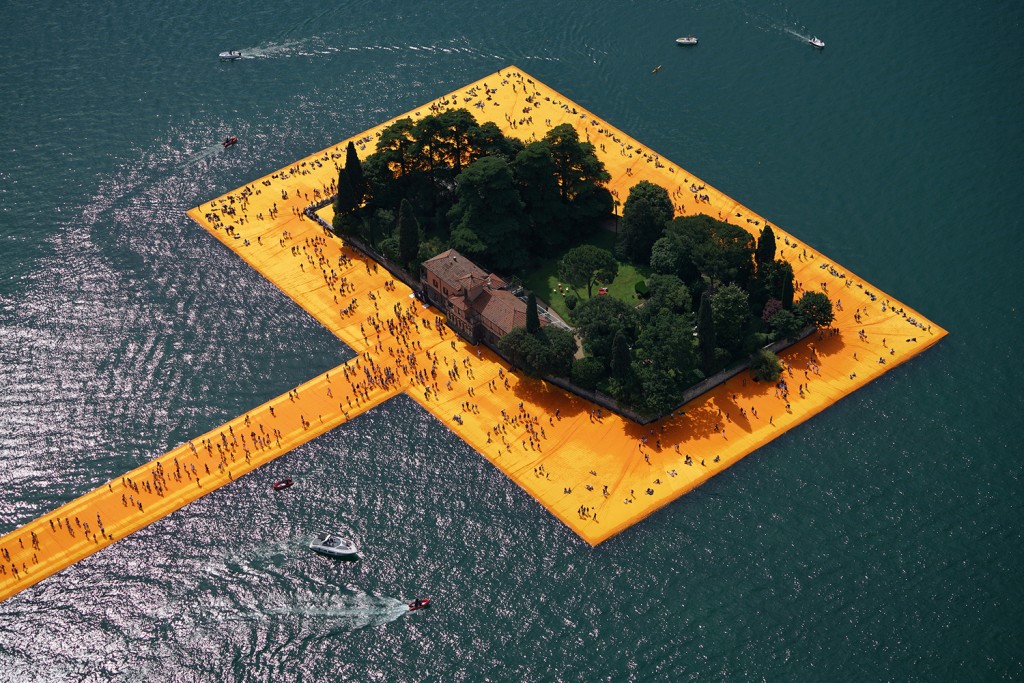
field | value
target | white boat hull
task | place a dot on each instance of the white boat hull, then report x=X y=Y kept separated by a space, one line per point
x=334 y=546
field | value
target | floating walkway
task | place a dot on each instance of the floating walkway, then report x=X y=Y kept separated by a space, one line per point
x=596 y=472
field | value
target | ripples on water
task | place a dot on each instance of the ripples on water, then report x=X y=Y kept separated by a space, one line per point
x=125 y=330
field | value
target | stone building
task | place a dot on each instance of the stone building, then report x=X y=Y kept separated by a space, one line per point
x=477 y=304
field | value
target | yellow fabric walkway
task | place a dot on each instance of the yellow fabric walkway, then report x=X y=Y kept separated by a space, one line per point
x=596 y=472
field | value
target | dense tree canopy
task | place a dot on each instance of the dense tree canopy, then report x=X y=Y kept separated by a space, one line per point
x=702 y=246
x=559 y=183
x=549 y=351
x=665 y=361
x=581 y=176
x=786 y=324
x=648 y=208
x=666 y=292
x=534 y=172
x=488 y=219
x=598 y=320
x=730 y=312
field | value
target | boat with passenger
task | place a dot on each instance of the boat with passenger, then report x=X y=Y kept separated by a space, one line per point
x=419 y=603
x=817 y=42
x=231 y=55
x=333 y=545
x=229 y=141
x=686 y=40
x=283 y=484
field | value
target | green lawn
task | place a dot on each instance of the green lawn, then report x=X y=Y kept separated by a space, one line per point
x=543 y=280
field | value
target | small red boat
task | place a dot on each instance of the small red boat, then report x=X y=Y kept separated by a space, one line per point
x=419 y=603
x=229 y=141
x=283 y=484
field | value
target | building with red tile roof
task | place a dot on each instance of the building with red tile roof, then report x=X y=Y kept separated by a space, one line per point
x=477 y=304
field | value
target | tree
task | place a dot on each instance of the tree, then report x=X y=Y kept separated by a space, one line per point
x=534 y=172
x=586 y=265
x=664 y=259
x=766 y=366
x=488 y=220
x=587 y=372
x=706 y=332
x=786 y=324
x=816 y=309
x=549 y=351
x=597 y=322
x=581 y=177
x=408 y=234
x=765 y=247
x=532 y=317
x=774 y=281
x=648 y=208
x=561 y=345
x=354 y=168
x=667 y=292
x=516 y=346
x=394 y=145
x=345 y=203
x=702 y=245
x=621 y=360
x=730 y=312
x=665 y=361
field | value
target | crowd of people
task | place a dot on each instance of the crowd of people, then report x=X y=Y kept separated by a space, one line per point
x=403 y=346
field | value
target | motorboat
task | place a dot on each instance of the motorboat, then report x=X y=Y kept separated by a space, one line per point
x=229 y=141
x=419 y=603
x=333 y=545
x=686 y=40
x=817 y=42
x=283 y=484
x=231 y=55
x=656 y=69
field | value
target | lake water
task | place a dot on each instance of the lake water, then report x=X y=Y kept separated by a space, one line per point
x=881 y=540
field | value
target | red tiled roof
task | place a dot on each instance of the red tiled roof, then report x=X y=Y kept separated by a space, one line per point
x=501 y=308
x=451 y=266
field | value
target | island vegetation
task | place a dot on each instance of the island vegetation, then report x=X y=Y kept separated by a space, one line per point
x=703 y=295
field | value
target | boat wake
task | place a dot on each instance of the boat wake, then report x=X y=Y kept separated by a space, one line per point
x=202 y=154
x=349 y=612
x=775 y=17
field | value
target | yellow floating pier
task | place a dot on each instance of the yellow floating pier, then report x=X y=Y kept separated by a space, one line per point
x=596 y=472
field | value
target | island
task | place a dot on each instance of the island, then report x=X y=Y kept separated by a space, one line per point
x=595 y=470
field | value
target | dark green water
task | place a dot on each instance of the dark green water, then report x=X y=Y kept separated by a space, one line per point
x=880 y=541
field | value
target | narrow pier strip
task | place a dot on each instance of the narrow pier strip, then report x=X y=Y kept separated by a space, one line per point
x=596 y=472
x=157 y=488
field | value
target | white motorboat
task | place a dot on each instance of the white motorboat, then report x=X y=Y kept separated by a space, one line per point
x=231 y=55
x=333 y=545
x=816 y=42
x=686 y=40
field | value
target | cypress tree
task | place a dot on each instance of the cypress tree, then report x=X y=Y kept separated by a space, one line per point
x=765 y=247
x=355 y=172
x=408 y=233
x=620 y=356
x=532 y=317
x=787 y=286
x=706 y=332
x=344 y=203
